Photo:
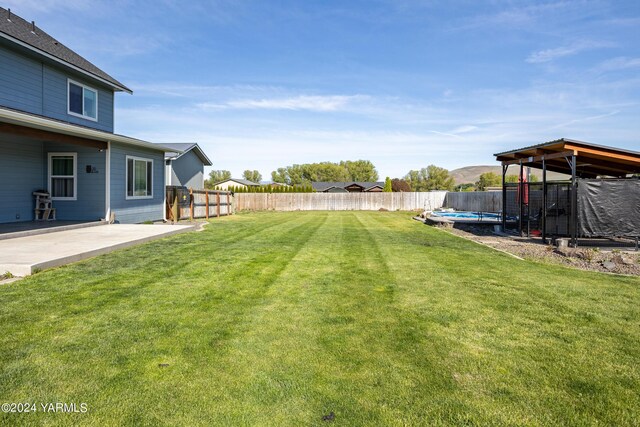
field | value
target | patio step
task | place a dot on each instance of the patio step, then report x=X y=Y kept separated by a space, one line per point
x=44 y=230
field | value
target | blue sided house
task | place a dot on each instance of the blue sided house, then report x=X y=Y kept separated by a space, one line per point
x=57 y=136
x=185 y=165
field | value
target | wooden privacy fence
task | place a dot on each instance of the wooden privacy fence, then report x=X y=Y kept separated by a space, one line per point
x=475 y=201
x=338 y=201
x=187 y=203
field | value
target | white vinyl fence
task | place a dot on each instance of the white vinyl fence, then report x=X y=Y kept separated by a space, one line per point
x=339 y=201
x=477 y=201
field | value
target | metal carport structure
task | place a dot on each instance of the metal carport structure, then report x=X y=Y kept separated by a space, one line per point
x=578 y=159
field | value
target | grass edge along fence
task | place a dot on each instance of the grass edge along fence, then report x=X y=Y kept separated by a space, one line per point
x=187 y=203
x=373 y=201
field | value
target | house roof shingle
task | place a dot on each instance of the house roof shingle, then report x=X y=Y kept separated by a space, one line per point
x=13 y=27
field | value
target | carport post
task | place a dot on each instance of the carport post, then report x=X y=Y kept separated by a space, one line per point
x=521 y=193
x=544 y=200
x=504 y=197
x=574 y=202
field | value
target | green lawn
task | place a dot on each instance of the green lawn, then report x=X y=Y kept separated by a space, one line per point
x=282 y=318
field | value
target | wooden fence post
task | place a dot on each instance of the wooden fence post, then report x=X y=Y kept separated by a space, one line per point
x=228 y=204
x=206 y=193
x=191 y=200
x=218 y=205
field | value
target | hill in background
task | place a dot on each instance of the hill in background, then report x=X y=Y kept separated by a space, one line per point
x=471 y=174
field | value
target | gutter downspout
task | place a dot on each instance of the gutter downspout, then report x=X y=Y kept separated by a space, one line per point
x=167 y=168
x=107 y=184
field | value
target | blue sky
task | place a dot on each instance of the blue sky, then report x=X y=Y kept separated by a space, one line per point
x=404 y=83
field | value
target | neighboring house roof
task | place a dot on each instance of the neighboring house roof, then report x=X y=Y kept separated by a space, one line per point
x=239 y=181
x=34 y=121
x=182 y=148
x=334 y=190
x=324 y=186
x=18 y=30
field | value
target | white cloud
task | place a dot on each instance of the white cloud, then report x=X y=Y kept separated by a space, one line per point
x=534 y=17
x=302 y=102
x=559 y=52
x=619 y=63
x=585 y=119
x=464 y=129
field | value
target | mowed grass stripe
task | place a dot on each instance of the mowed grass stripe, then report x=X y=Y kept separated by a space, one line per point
x=139 y=323
x=534 y=324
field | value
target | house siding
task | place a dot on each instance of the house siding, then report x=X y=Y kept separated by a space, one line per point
x=36 y=87
x=24 y=169
x=136 y=210
x=20 y=82
x=188 y=171
x=90 y=199
x=21 y=173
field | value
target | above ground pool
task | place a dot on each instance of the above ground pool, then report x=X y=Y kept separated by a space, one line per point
x=477 y=216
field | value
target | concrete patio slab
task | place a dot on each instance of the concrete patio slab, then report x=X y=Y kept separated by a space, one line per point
x=32 y=228
x=22 y=256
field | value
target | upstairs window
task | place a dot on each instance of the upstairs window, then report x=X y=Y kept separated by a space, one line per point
x=83 y=101
x=139 y=178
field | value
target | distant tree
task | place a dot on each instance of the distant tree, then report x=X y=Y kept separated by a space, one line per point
x=465 y=187
x=514 y=179
x=388 y=186
x=400 y=185
x=488 y=179
x=279 y=175
x=360 y=170
x=216 y=176
x=430 y=178
x=253 y=176
x=439 y=179
x=346 y=170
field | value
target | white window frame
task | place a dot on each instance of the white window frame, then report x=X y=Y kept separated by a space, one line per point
x=126 y=177
x=84 y=87
x=51 y=155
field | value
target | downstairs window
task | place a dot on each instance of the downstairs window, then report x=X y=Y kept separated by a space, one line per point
x=62 y=176
x=139 y=178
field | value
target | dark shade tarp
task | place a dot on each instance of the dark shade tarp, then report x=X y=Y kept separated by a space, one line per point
x=609 y=208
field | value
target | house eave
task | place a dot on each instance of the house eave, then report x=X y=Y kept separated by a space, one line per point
x=43 y=123
x=201 y=155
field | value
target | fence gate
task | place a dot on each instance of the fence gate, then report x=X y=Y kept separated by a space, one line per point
x=185 y=203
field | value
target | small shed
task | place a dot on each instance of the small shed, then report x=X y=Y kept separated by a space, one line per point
x=601 y=198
